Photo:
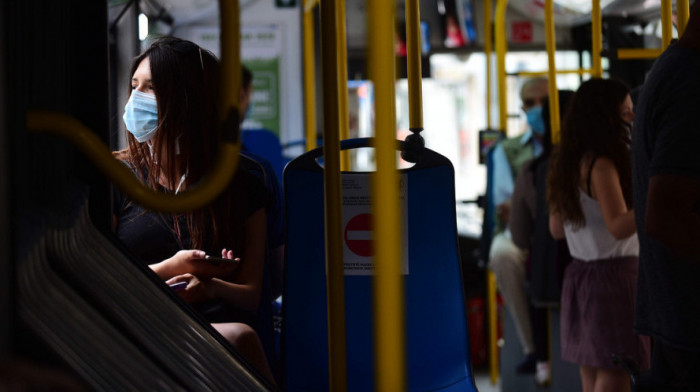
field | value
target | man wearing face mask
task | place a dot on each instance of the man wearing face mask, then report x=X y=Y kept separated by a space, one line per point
x=506 y=260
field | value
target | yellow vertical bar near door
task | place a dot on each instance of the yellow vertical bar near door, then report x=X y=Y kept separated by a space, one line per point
x=413 y=57
x=597 y=40
x=309 y=75
x=500 y=34
x=666 y=23
x=342 y=46
x=501 y=48
x=551 y=51
x=389 y=332
x=335 y=285
x=488 y=49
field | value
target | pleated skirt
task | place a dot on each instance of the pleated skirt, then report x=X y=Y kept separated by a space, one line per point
x=597 y=313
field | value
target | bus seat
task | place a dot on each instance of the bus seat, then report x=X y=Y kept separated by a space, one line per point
x=266 y=144
x=111 y=319
x=436 y=326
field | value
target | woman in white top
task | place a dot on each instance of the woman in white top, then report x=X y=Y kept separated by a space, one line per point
x=590 y=197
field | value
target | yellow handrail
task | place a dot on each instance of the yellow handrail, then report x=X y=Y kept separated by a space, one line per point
x=631 y=54
x=488 y=49
x=666 y=23
x=552 y=82
x=204 y=193
x=343 y=125
x=413 y=60
x=579 y=71
x=96 y=151
x=389 y=332
x=501 y=48
x=335 y=284
x=597 y=40
x=309 y=75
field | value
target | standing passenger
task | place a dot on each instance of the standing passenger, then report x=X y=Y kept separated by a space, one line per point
x=590 y=196
x=667 y=196
x=506 y=260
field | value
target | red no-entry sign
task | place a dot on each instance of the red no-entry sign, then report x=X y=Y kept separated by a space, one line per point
x=358 y=235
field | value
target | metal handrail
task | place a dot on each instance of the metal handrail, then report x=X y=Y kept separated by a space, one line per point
x=551 y=43
x=309 y=75
x=84 y=139
x=389 y=331
x=335 y=277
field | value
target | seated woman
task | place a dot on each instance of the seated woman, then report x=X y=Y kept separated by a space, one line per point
x=173 y=134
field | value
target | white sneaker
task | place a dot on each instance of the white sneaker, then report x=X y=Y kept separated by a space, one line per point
x=542 y=374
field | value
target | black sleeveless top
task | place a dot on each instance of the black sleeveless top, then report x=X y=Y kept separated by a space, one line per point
x=152 y=237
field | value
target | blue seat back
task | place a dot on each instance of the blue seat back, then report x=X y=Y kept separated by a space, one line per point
x=436 y=325
x=266 y=144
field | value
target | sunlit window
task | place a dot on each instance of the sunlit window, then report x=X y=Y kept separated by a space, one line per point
x=143 y=27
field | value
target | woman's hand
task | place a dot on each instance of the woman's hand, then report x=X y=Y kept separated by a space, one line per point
x=194 y=262
x=197 y=290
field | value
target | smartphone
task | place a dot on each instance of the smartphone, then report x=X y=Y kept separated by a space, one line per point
x=178 y=286
x=220 y=260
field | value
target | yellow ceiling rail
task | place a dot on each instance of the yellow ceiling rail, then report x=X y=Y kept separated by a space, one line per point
x=84 y=139
x=389 y=331
x=342 y=46
x=551 y=43
x=596 y=40
x=335 y=284
x=488 y=49
x=682 y=15
x=309 y=75
x=501 y=48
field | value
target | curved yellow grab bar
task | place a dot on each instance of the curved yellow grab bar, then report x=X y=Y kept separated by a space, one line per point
x=79 y=135
x=225 y=166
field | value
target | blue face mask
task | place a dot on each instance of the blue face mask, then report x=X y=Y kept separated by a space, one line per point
x=141 y=115
x=535 y=120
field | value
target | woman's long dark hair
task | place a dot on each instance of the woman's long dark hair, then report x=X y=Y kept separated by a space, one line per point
x=185 y=79
x=592 y=128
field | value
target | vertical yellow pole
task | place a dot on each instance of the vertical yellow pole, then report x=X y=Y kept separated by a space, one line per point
x=488 y=48
x=597 y=41
x=501 y=48
x=230 y=56
x=309 y=75
x=390 y=355
x=491 y=294
x=413 y=56
x=682 y=15
x=551 y=51
x=343 y=82
x=333 y=197
x=666 y=23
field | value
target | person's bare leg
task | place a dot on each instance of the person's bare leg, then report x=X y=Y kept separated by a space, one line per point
x=588 y=376
x=612 y=381
x=246 y=341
